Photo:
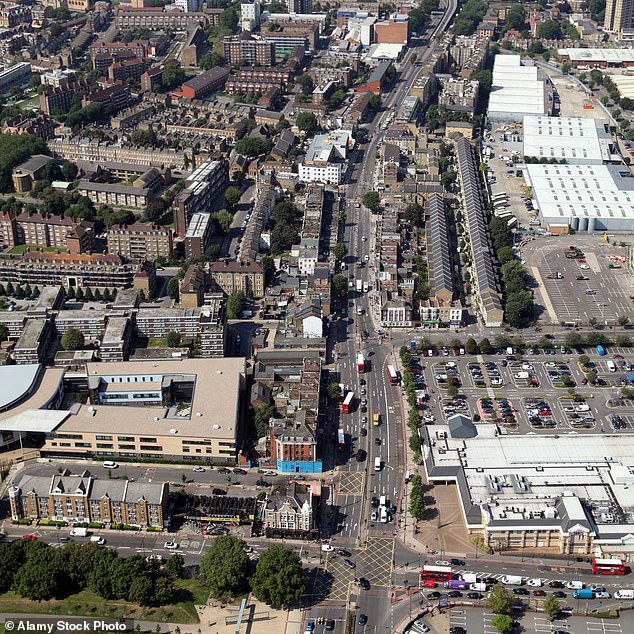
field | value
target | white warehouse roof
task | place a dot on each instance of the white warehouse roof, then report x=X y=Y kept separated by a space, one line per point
x=579 y=141
x=608 y=55
x=516 y=89
x=588 y=197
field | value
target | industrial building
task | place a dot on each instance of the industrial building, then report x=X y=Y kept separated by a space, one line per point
x=517 y=90
x=583 y=197
x=576 y=140
x=598 y=57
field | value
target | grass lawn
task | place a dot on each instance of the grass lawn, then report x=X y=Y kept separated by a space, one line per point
x=189 y=593
x=22 y=248
x=157 y=342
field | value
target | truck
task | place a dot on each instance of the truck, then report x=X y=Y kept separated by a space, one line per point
x=524 y=374
x=512 y=580
x=359 y=284
x=79 y=532
x=624 y=594
x=455 y=584
x=584 y=593
x=469 y=577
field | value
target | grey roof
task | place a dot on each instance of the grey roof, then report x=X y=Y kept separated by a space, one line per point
x=151 y=493
x=34 y=163
x=16 y=382
x=461 y=426
x=438 y=252
x=379 y=71
x=114 y=489
x=40 y=485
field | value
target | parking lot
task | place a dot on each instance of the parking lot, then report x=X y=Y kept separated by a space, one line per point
x=542 y=393
x=580 y=290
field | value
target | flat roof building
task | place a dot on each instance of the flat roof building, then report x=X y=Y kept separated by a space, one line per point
x=579 y=141
x=517 y=90
x=584 y=197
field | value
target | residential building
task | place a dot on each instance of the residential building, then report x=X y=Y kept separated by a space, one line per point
x=34 y=342
x=116 y=194
x=140 y=241
x=439 y=260
x=87 y=499
x=325 y=158
x=245 y=49
x=193 y=286
x=299 y=6
x=13 y=15
x=25 y=175
x=199 y=232
x=158 y=18
x=126 y=69
x=194 y=48
x=94 y=270
x=152 y=79
x=113 y=98
x=231 y=277
x=56 y=100
x=438 y=313
x=619 y=16
x=485 y=291
x=17 y=74
x=379 y=79
x=457 y=94
x=250 y=15
x=117 y=339
x=201 y=187
x=41 y=126
x=395 y=312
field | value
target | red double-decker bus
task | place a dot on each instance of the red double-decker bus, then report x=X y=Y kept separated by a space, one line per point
x=360 y=363
x=391 y=374
x=347 y=403
x=435 y=573
x=341 y=440
x=608 y=567
x=342 y=394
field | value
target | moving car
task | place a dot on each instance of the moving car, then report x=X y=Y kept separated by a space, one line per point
x=199 y=469
x=108 y=464
x=170 y=545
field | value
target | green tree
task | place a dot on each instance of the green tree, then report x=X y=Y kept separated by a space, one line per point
x=340 y=250
x=41 y=576
x=173 y=339
x=551 y=607
x=505 y=254
x=499 y=600
x=574 y=340
x=70 y=292
x=172 y=75
x=173 y=288
x=549 y=30
x=175 y=565
x=470 y=346
x=210 y=59
x=282 y=238
x=279 y=579
x=12 y=558
x=143 y=137
x=485 y=346
x=76 y=560
x=340 y=284
x=224 y=566
x=518 y=311
x=73 y=339
x=89 y=294
x=415 y=214
x=417 y=493
x=223 y=219
x=141 y=590
x=371 y=200
x=307 y=123
x=235 y=304
x=503 y=623
x=584 y=359
x=252 y=146
x=262 y=416
x=163 y=591
x=334 y=390
x=232 y=196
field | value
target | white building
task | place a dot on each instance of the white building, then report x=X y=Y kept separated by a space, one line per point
x=517 y=90
x=583 y=197
x=361 y=29
x=578 y=141
x=250 y=15
x=325 y=159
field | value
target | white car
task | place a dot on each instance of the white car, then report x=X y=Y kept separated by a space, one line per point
x=170 y=546
x=364 y=239
x=549 y=364
x=584 y=267
x=421 y=625
x=535 y=583
x=270 y=473
x=108 y=464
x=199 y=469
x=442 y=562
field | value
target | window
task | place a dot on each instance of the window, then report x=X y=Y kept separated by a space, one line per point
x=83 y=444
x=151 y=448
x=127 y=446
x=125 y=438
x=103 y=445
x=103 y=437
x=147 y=439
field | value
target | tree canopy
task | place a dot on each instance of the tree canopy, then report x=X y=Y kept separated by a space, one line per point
x=225 y=566
x=307 y=122
x=72 y=339
x=371 y=200
x=279 y=579
x=235 y=304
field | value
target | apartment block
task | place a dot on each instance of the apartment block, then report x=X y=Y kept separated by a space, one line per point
x=117 y=339
x=115 y=194
x=245 y=49
x=126 y=69
x=152 y=79
x=16 y=74
x=34 y=342
x=194 y=47
x=140 y=241
x=231 y=277
x=113 y=98
x=65 y=498
x=13 y=15
x=201 y=187
x=157 y=18
x=198 y=234
x=56 y=100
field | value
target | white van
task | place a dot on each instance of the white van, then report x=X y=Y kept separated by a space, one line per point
x=624 y=594
x=511 y=580
x=575 y=585
x=611 y=365
x=383 y=500
x=98 y=540
x=377 y=464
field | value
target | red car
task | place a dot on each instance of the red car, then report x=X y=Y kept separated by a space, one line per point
x=545 y=412
x=30 y=538
x=618 y=356
x=428 y=583
x=539 y=593
x=581 y=260
x=584 y=381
